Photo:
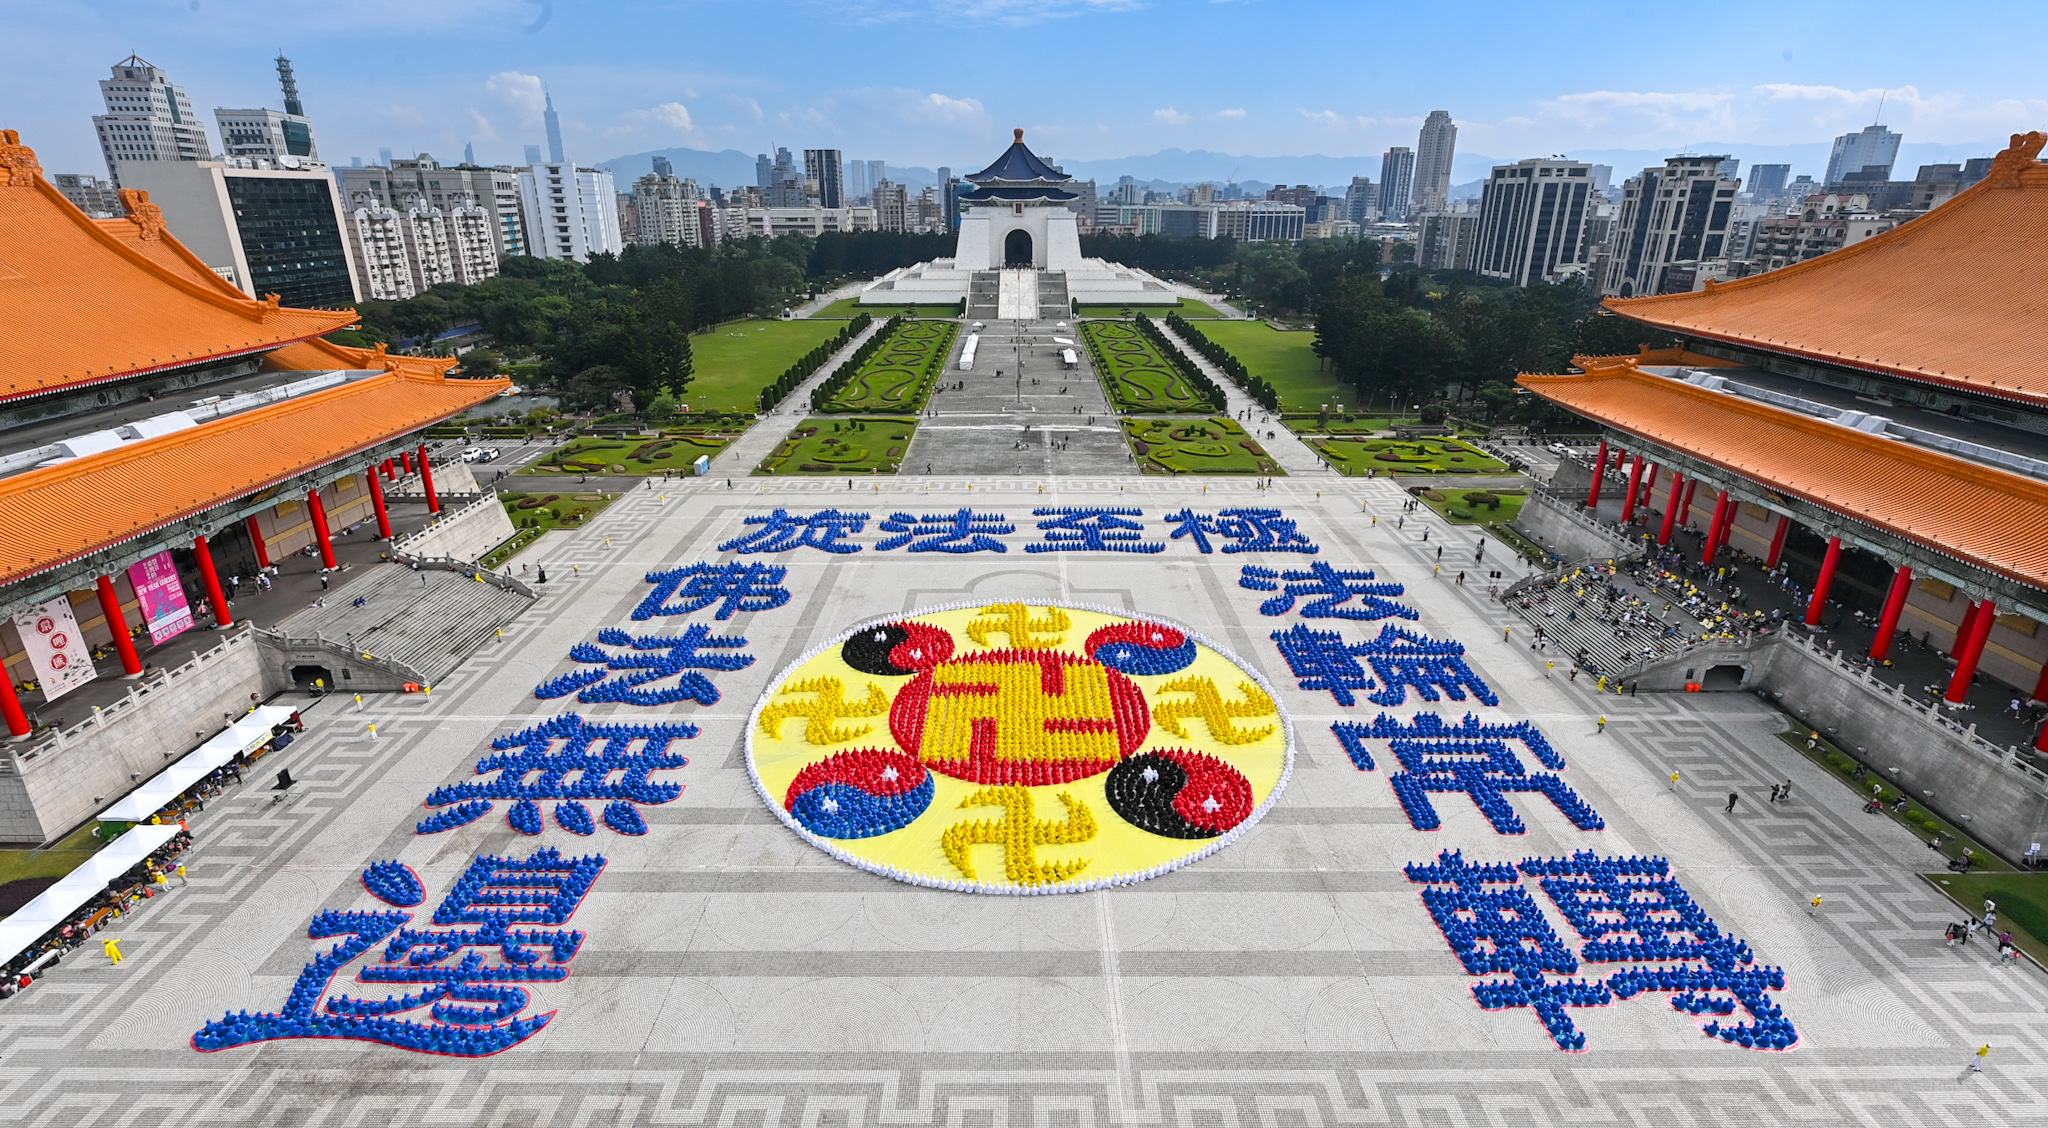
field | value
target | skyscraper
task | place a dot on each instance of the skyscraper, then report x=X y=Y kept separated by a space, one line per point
x=1767 y=181
x=532 y=155
x=148 y=118
x=1397 y=180
x=1433 y=152
x=1532 y=217
x=823 y=166
x=554 y=123
x=764 y=171
x=875 y=175
x=266 y=133
x=469 y=152
x=1680 y=213
x=1361 y=200
x=1873 y=147
x=662 y=167
x=786 y=182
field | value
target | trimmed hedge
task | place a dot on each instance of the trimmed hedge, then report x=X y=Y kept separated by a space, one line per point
x=1222 y=358
x=1189 y=371
x=838 y=379
x=811 y=361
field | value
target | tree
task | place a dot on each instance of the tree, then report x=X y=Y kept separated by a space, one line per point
x=594 y=386
x=480 y=364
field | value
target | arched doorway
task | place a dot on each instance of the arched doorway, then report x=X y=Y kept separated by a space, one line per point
x=1017 y=248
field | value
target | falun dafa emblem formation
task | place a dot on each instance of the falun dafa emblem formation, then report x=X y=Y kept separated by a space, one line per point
x=1014 y=748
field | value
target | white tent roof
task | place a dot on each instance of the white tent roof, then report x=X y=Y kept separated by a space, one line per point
x=1068 y=356
x=197 y=764
x=78 y=887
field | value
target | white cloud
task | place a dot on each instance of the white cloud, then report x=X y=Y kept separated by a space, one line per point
x=943 y=108
x=1637 y=117
x=1171 y=116
x=1230 y=115
x=484 y=131
x=675 y=116
x=745 y=105
x=1328 y=118
x=1008 y=13
x=523 y=92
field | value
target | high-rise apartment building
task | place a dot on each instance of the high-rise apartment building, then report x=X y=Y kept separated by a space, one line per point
x=1449 y=238
x=1874 y=147
x=1532 y=217
x=764 y=171
x=572 y=212
x=554 y=124
x=267 y=134
x=1397 y=182
x=148 y=118
x=667 y=210
x=496 y=190
x=267 y=230
x=1679 y=213
x=95 y=197
x=662 y=167
x=1362 y=200
x=824 y=167
x=403 y=252
x=376 y=235
x=1434 y=149
x=1767 y=181
x=786 y=182
x=892 y=206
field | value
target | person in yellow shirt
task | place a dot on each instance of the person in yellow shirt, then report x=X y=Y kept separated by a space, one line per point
x=112 y=945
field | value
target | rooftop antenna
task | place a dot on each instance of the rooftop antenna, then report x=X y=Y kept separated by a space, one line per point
x=1880 y=108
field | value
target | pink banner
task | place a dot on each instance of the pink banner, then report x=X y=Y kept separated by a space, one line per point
x=163 y=598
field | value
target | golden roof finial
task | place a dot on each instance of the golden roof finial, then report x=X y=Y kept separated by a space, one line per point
x=1020 y=136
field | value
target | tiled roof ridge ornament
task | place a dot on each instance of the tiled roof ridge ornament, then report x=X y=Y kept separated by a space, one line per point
x=18 y=165
x=1020 y=135
x=142 y=213
x=2022 y=155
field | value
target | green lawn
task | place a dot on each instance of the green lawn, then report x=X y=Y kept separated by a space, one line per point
x=736 y=360
x=672 y=450
x=899 y=376
x=1188 y=308
x=545 y=511
x=1134 y=374
x=1196 y=446
x=825 y=444
x=850 y=307
x=65 y=856
x=1356 y=456
x=2022 y=905
x=1456 y=507
x=1285 y=360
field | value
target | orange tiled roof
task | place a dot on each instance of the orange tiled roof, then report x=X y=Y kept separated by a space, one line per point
x=1951 y=298
x=1963 y=510
x=77 y=507
x=321 y=354
x=85 y=304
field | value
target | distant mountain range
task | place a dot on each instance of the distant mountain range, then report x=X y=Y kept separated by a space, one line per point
x=1171 y=169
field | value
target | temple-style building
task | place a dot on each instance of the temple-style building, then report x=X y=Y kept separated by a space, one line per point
x=1875 y=417
x=155 y=420
x=1019 y=252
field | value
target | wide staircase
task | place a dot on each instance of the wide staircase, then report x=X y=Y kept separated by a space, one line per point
x=1571 y=627
x=1017 y=296
x=429 y=620
x=984 y=291
x=1052 y=296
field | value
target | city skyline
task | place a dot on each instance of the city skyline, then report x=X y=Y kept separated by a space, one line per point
x=1774 y=83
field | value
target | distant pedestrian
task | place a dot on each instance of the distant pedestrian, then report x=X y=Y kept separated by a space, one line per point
x=1976 y=1060
x=1602 y=726
x=1574 y=676
x=1674 y=781
x=1784 y=791
x=112 y=946
x=181 y=877
x=1732 y=797
x=323 y=581
x=1774 y=793
x=1813 y=909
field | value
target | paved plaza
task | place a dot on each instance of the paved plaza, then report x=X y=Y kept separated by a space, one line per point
x=733 y=975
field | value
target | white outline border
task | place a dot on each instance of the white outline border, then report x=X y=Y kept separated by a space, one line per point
x=961 y=886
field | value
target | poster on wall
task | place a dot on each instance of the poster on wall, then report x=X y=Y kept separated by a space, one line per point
x=50 y=634
x=156 y=585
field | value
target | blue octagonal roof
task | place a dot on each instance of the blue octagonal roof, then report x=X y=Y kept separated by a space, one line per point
x=1018 y=163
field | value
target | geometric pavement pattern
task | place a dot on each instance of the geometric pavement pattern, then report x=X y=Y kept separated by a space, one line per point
x=735 y=976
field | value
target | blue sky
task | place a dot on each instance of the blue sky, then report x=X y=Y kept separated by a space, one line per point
x=930 y=83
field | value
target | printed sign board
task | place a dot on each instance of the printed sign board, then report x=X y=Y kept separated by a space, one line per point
x=162 y=596
x=62 y=661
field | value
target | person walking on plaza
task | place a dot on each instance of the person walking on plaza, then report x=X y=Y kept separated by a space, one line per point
x=1813 y=910
x=1732 y=797
x=181 y=876
x=1784 y=791
x=112 y=946
x=1602 y=726
x=323 y=581
x=1674 y=781
x=1977 y=1059
x=1774 y=793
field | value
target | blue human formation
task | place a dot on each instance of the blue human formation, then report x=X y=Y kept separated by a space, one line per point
x=567 y=758
x=1469 y=757
x=782 y=531
x=1625 y=910
x=1329 y=592
x=735 y=587
x=473 y=1007
x=623 y=675
x=961 y=531
x=1402 y=660
x=1070 y=529
x=394 y=883
x=1247 y=530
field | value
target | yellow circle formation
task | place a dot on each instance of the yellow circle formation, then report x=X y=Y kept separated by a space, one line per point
x=1019 y=748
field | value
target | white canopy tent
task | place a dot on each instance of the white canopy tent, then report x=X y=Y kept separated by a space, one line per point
x=197 y=764
x=79 y=887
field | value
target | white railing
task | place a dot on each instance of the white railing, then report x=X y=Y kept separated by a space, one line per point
x=38 y=753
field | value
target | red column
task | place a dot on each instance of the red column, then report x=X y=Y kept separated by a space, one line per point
x=1826 y=582
x=1970 y=648
x=1635 y=482
x=1650 y=484
x=1778 y=540
x=1888 y=623
x=2041 y=694
x=320 y=532
x=406 y=457
x=1685 y=507
x=388 y=472
x=221 y=613
x=1671 y=507
x=1714 y=530
x=1599 y=472
x=256 y=539
x=1728 y=522
x=377 y=499
x=117 y=624
x=434 y=501
x=10 y=705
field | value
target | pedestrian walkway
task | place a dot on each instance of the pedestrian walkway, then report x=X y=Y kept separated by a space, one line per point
x=1283 y=445
x=760 y=440
x=428 y=620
